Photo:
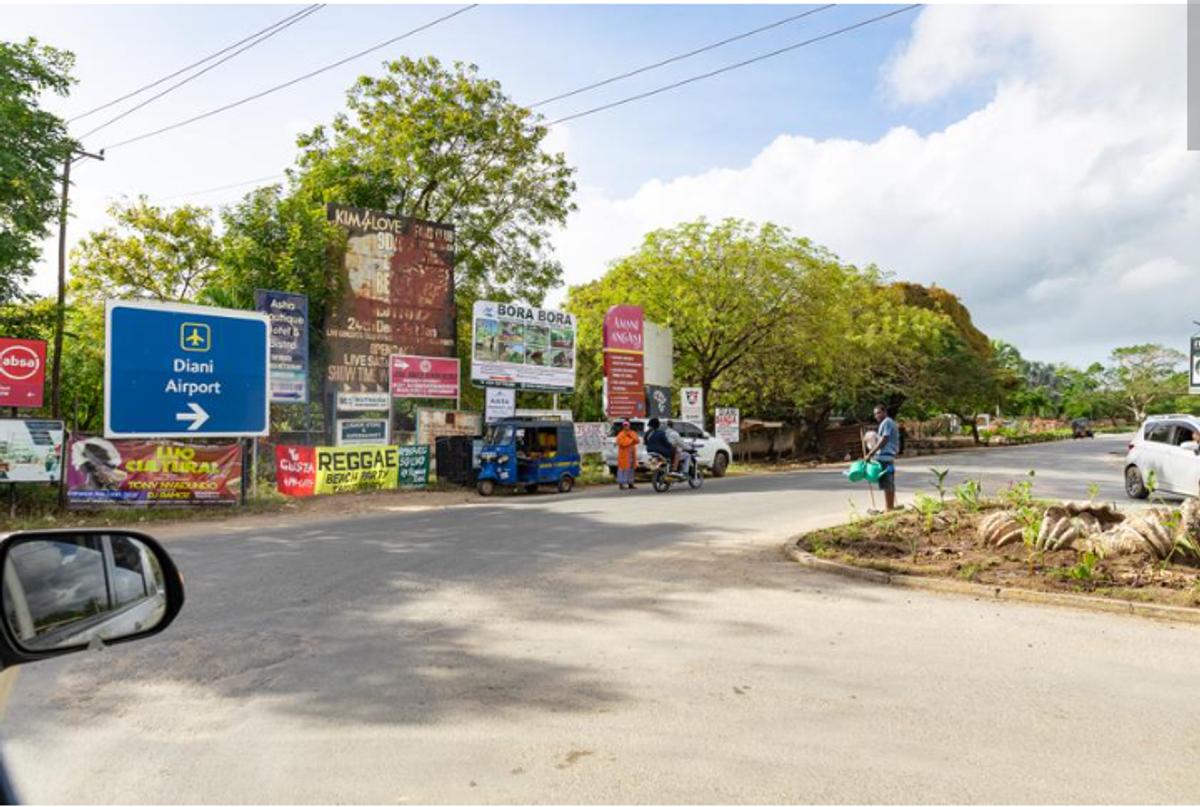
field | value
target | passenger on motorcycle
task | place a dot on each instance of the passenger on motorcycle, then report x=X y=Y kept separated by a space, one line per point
x=669 y=443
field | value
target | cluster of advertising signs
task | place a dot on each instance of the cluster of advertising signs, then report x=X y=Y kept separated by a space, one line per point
x=178 y=378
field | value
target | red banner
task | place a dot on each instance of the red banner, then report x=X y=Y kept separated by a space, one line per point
x=152 y=472
x=624 y=340
x=623 y=328
x=22 y=372
x=626 y=390
x=296 y=470
x=424 y=377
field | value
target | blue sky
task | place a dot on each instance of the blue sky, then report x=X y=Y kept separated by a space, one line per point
x=1024 y=157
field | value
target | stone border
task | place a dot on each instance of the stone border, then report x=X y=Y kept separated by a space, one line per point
x=1172 y=613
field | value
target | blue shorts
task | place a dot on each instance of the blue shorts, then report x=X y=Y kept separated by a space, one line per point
x=887 y=480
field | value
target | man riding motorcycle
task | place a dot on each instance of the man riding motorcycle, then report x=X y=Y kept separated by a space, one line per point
x=669 y=443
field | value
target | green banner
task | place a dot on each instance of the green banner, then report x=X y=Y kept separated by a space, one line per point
x=414 y=466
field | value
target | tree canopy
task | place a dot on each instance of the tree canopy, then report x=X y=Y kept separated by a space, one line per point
x=33 y=145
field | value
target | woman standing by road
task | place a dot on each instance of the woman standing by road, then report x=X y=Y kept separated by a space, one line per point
x=627 y=443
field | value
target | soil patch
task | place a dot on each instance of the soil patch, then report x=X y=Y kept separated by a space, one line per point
x=947 y=544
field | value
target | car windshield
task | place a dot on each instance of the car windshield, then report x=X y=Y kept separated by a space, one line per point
x=498 y=435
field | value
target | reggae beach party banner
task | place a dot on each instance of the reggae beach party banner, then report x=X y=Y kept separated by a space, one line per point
x=309 y=470
x=526 y=348
x=152 y=473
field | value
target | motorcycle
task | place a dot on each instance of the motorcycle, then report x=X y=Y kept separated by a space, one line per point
x=662 y=477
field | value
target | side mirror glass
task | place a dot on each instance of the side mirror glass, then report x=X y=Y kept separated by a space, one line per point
x=1191 y=445
x=64 y=591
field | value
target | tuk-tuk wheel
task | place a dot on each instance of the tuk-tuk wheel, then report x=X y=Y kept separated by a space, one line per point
x=531 y=488
x=565 y=483
x=486 y=487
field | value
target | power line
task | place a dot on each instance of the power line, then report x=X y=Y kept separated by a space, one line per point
x=681 y=56
x=313 y=9
x=222 y=187
x=182 y=70
x=730 y=67
x=296 y=80
x=701 y=76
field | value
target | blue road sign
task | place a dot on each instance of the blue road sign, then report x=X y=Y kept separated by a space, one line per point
x=185 y=371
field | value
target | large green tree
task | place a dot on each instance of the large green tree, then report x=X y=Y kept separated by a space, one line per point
x=446 y=145
x=1141 y=376
x=150 y=253
x=33 y=146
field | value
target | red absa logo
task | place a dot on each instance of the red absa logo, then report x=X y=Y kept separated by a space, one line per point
x=19 y=363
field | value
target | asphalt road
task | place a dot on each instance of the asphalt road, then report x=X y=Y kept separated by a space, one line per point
x=608 y=647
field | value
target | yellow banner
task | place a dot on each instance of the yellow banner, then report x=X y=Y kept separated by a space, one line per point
x=357 y=468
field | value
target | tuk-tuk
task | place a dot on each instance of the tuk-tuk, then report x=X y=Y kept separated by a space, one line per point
x=527 y=453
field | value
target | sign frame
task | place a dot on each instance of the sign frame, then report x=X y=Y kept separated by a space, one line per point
x=201 y=311
x=1194 y=368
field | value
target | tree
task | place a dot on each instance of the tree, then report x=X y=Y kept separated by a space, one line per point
x=447 y=146
x=1143 y=375
x=723 y=290
x=33 y=146
x=151 y=253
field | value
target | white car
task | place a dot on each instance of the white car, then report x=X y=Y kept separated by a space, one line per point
x=1166 y=449
x=712 y=452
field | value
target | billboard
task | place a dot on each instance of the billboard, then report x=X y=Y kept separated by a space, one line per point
x=501 y=402
x=289 y=344
x=527 y=348
x=658 y=401
x=435 y=423
x=152 y=473
x=22 y=372
x=296 y=470
x=727 y=420
x=1194 y=377
x=658 y=355
x=361 y=432
x=414 y=466
x=31 y=450
x=424 y=377
x=398 y=277
x=623 y=368
x=691 y=405
x=591 y=438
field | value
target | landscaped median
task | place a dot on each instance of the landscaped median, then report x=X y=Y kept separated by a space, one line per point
x=1018 y=547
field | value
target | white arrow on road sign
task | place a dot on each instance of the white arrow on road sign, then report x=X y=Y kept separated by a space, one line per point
x=197 y=416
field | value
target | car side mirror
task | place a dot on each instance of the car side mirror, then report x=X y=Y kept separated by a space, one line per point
x=1191 y=445
x=67 y=590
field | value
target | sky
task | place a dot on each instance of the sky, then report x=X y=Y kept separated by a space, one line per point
x=1031 y=159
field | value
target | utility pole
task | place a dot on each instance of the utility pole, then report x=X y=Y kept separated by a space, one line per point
x=74 y=155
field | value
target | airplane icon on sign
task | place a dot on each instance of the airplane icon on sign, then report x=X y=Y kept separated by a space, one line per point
x=195 y=337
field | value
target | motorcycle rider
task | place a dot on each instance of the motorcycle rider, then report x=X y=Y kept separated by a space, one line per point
x=659 y=442
x=681 y=458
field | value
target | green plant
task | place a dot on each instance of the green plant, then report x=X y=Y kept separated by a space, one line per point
x=969 y=494
x=1093 y=491
x=1085 y=570
x=940 y=482
x=969 y=572
x=1019 y=495
x=1031 y=523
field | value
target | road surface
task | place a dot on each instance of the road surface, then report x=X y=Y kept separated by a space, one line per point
x=607 y=647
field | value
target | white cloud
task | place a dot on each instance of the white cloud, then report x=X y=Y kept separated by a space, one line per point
x=1058 y=209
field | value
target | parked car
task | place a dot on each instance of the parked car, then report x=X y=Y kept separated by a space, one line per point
x=713 y=453
x=1166 y=449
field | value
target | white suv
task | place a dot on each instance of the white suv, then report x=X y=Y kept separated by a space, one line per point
x=712 y=452
x=1166 y=449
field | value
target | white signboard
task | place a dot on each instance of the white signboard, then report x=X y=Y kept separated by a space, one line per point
x=1194 y=386
x=728 y=423
x=592 y=438
x=31 y=450
x=362 y=433
x=513 y=345
x=691 y=405
x=657 y=359
x=501 y=403
x=363 y=402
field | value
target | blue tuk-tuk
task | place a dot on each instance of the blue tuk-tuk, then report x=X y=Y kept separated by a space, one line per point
x=526 y=453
